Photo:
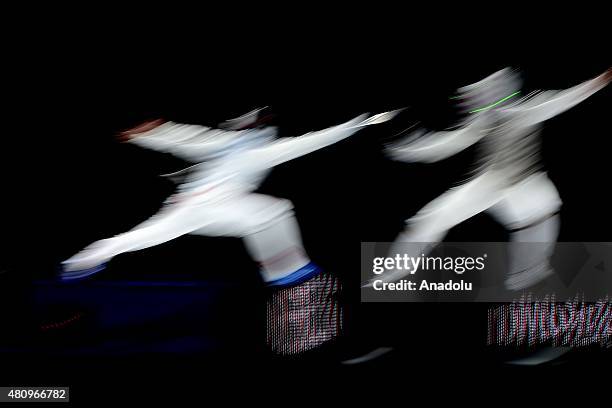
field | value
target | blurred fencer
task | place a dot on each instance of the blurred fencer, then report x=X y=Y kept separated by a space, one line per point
x=216 y=197
x=508 y=181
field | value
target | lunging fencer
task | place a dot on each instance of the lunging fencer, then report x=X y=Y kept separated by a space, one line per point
x=509 y=181
x=216 y=198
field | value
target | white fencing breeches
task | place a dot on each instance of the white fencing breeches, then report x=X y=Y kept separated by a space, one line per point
x=527 y=209
x=267 y=225
x=303 y=310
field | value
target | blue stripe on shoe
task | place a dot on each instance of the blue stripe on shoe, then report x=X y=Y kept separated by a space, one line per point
x=301 y=275
x=81 y=274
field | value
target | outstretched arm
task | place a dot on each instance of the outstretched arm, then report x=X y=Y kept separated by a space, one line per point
x=189 y=142
x=429 y=147
x=289 y=148
x=551 y=103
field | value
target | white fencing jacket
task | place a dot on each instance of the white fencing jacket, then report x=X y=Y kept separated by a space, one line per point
x=509 y=133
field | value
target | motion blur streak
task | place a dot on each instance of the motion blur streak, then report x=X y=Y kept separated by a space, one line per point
x=216 y=198
x=530 y=323
x=508 y=182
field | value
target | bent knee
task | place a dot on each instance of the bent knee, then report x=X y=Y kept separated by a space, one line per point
x=265 y=217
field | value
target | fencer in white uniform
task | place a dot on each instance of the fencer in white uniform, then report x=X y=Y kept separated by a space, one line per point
x=508 y=182
x=216 y=198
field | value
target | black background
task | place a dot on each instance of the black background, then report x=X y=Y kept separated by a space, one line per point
x=69 y=182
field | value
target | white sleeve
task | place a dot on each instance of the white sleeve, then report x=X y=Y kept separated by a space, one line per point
x=551 y=103
x=433 y=146
x=189 y=142
x=289 y=148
